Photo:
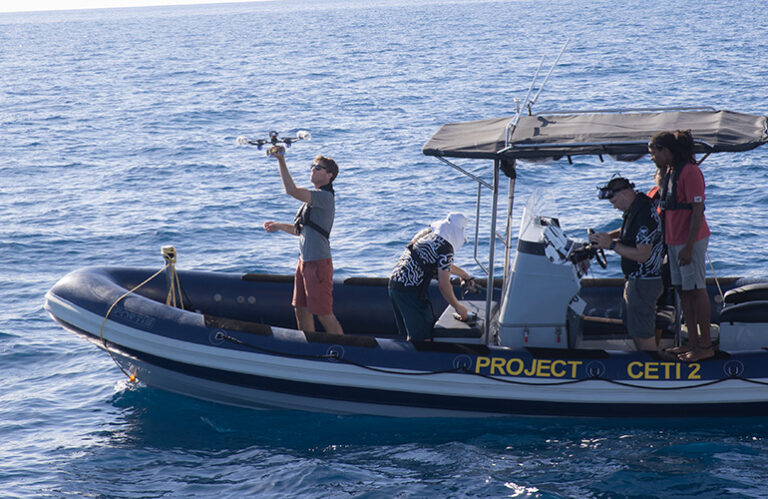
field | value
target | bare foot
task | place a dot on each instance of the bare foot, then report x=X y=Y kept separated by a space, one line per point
x=701 y=353
x=681 y=349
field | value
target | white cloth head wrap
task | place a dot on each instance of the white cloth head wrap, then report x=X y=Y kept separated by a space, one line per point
x=452 y=229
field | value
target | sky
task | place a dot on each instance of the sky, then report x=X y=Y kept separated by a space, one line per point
x=37 y=5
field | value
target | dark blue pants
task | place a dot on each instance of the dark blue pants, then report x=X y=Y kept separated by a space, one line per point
x=413 y=314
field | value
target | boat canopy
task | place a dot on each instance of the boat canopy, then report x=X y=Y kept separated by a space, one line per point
x=622 y=134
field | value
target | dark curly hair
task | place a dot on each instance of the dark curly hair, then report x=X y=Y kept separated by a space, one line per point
x=680 y=142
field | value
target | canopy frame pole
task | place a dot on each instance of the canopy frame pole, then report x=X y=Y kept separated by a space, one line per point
x=465 y=172
x=533 y=82
x=494 y=188
x=528 y=103
x=554 y=64
x=492 y=249
x=477 y=229
x=624 y=110
x=512 y=174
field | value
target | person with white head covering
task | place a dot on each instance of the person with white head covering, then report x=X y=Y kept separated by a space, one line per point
x=428 y=255
x=452 y=229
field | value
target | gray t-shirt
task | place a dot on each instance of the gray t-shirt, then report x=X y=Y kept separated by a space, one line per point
x=312 y=244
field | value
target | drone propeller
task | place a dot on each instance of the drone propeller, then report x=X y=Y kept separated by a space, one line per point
x=274 y=139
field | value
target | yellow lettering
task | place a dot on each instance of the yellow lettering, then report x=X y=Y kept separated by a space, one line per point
x=482 y=362
x=558 y=374
x=514 y=372
x=543 y=369
x=677 y=371
x=666 y=366
x=529 y=372
x=651 y=370
x=497 y=363
x=694 y=374
x=631 y=372
x=574 y=367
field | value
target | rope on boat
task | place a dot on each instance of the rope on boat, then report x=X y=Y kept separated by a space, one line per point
x=714 y=274
x=131 y=377
x=719 y=289
x=753 y=381
x=464 y=370
x=174 y=288
x=332 y=356
x=613 y=381
x=630 y=385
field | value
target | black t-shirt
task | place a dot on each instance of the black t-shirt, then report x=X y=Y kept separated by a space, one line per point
x=642 y=226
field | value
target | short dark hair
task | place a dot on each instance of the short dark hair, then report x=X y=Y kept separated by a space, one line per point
x=617 y=184
x=329 y=164
x=613 y=186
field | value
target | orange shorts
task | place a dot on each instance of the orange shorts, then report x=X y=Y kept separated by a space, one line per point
x=313 y=286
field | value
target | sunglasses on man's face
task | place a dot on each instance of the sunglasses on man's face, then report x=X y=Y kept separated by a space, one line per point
x=606 y=193
x=315 y=166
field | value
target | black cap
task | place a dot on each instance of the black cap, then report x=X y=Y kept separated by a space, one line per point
x=615 y=185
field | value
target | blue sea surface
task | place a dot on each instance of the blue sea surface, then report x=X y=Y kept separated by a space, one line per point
x=117 y=136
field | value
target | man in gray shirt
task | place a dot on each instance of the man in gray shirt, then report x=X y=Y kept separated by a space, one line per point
x=313 y=283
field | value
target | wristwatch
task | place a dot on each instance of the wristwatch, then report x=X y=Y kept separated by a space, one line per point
x=612 y=246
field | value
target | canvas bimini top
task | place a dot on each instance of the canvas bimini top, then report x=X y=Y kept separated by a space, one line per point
x=622 y=134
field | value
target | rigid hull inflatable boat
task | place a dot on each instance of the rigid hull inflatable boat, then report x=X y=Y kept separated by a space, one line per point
x=547 y=341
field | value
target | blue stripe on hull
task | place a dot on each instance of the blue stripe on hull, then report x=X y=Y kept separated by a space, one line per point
x=450 y=404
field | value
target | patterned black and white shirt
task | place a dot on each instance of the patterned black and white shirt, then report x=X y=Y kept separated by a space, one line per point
x=642 y=226
x=433 y=250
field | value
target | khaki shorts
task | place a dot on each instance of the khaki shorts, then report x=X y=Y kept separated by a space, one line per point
x=640 y=297
x=693 y=275
x=313 y=286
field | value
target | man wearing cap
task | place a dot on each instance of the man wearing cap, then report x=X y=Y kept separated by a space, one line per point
x=641 y=247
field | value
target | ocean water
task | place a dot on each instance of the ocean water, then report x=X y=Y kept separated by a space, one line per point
x=117 y=136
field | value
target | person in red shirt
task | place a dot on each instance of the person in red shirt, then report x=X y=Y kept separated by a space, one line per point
x=686 y=234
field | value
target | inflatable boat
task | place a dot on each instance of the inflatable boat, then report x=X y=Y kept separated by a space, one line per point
x=547 y=340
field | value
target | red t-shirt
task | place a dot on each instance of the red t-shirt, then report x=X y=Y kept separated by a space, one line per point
x=677 y=223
